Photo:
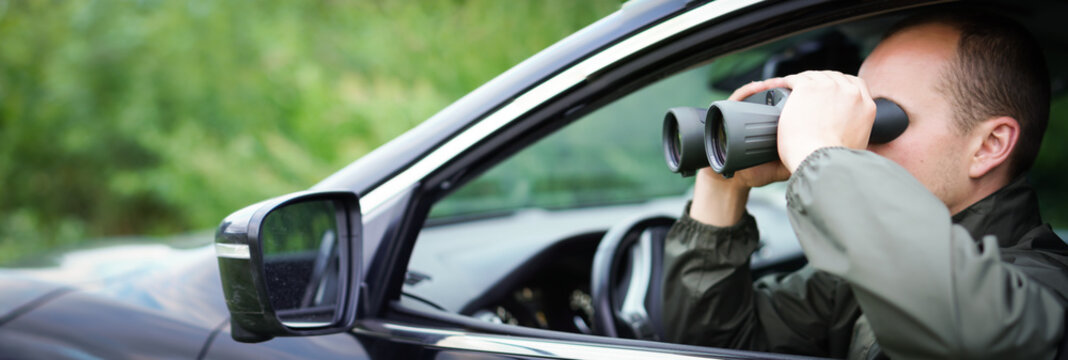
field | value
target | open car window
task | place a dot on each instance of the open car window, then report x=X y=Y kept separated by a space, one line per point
x=611 y=156
x=515 y=245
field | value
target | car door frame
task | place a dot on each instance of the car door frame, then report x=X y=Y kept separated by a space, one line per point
x=399 y=213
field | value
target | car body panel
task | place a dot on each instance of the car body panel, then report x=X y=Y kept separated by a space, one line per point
x=22 y=294
x=115 y=302
x=136 y=301
x=334 y=346
x=82 y=325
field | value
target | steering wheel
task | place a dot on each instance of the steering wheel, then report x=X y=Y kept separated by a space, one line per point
x=626 y=279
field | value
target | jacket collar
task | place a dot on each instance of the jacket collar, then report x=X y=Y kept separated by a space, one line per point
x=1008 y=213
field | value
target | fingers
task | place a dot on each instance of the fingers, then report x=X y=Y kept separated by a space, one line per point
x=824 y=78
x=755 y=87
x=762 y=174
x=860 y=84
x=746 y=90
x=847 y=86
x=826 y=108
x=869 y=102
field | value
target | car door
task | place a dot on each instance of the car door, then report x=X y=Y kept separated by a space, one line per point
x=501 y=121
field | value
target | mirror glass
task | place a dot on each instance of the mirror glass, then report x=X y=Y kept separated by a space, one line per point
x=301 y=261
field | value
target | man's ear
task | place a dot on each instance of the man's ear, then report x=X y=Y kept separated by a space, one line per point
x=995 y=139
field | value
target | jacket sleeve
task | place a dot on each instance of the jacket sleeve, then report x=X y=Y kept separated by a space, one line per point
x=928 y=289
x=710 y=299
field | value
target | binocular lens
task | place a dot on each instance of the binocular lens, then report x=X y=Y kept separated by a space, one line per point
x=720 y=142
x=674 y=142
x=683 y=139
x=734 y=135
x=678 y=144
x=716 y=137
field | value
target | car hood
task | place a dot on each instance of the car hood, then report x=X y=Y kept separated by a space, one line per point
x=179 y=280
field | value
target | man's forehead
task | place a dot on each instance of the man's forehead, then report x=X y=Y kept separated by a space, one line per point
x=927 y=42
x=907 y=68
x=911 y=53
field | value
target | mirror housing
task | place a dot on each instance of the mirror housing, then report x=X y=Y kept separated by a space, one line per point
x=251 y=267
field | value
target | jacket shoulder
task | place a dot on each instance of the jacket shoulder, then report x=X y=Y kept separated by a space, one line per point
x=1042 y=256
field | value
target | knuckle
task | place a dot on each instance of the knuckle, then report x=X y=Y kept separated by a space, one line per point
x=869 y=107
x=852 y=91
x=825 y=84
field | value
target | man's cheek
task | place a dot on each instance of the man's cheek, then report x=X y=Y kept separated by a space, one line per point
x=889 y=151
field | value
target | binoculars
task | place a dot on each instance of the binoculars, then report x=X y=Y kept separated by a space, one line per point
x=735 y=135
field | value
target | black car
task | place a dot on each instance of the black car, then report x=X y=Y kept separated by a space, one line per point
x=522 y=221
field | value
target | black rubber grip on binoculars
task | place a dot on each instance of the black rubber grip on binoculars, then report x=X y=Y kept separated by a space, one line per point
x=890 y=122
x=740 y=134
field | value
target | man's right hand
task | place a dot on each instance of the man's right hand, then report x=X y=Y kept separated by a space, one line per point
x=720 y=201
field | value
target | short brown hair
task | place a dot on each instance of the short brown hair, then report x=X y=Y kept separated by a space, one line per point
x=999 y=70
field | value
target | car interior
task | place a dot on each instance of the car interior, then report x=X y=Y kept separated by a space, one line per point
x=565 y=234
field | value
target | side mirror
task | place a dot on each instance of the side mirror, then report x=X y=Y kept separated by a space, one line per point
x=290 y=265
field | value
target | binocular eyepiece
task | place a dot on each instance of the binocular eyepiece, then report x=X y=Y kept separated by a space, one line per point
x=735 y=135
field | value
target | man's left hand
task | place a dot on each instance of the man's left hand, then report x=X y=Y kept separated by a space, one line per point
x=825 y=109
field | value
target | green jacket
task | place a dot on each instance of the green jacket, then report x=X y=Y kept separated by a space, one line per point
x=886 y=262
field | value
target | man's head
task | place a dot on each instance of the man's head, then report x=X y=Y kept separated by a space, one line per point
x=976 y=91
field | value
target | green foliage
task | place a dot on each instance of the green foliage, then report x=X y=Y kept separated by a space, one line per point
x=1049 y=169
x=157 y=117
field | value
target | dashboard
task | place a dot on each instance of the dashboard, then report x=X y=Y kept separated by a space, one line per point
x=532 y=267
x=552 y=290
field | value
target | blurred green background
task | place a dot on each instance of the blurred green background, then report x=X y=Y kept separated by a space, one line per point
x=160 y=117
x=127 y=118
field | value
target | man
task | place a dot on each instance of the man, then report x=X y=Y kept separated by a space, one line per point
x=929 y=246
